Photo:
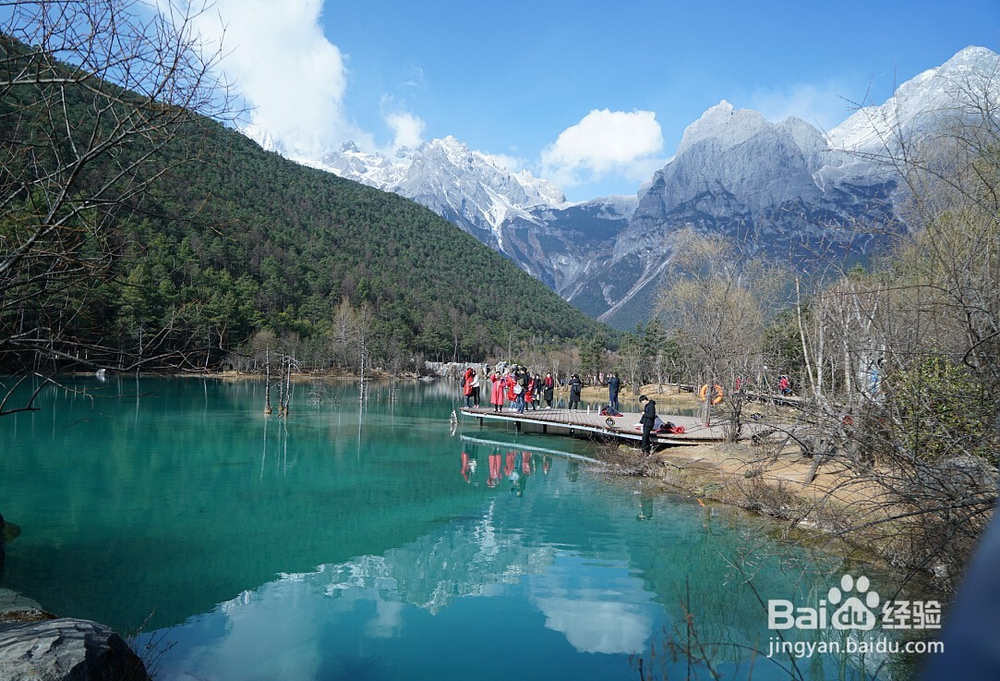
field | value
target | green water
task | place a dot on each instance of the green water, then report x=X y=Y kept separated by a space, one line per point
x=371 y=542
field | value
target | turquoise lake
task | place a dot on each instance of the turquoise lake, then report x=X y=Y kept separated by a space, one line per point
x=369 y=541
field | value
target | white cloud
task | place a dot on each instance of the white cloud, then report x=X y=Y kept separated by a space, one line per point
x=416 y=78
x=512 y=163
x=824 y=106
x=292 y=77
x=605 y=143
x=407 y=130
x=592 y=623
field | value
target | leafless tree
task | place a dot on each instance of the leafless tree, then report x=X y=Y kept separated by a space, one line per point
x=717 y=301
x=916 y=342
x=342 y=333
x=93 y=93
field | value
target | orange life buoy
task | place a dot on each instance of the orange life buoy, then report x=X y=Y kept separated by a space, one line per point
x=719 y=394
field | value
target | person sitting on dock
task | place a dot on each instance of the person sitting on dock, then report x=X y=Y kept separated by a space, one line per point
x=647 y=420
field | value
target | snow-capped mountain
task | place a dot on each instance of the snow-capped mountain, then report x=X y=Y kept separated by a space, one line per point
x=966 y=86
x=265 y=139
x=775 y=188
x=565 y=245
x=472 y=189
x=526 y=218
x=782 y=188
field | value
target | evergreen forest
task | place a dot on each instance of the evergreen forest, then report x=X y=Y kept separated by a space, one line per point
x=139 y=232
x=139 y=235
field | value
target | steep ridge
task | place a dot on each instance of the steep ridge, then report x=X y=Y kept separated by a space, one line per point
x=775 y=189
x=784 y=189
x=527 y=219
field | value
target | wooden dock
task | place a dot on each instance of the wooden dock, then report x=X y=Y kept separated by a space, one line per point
x=578 y=422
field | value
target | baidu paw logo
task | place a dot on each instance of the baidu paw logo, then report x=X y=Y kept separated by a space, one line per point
x=858 y=609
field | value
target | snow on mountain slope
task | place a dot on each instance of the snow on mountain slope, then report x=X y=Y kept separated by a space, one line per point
x=775 y=187
x=446 y=176
x=954 y=90
x=526 y=218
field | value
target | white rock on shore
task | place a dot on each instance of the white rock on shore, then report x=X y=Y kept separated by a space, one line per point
x=64 y=648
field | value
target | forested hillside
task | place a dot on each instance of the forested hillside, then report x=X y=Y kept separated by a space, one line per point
x=138 y=234
x=269 y=244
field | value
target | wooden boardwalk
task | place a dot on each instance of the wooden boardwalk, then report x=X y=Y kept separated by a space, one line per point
x=592 y=424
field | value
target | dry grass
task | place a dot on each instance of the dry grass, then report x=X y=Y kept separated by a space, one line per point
x=853 y=511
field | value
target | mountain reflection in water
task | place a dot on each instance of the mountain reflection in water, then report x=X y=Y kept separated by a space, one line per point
x=367 y=541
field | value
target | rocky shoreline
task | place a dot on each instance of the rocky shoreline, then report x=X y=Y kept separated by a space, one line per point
x=38 y=646
x=826 y=501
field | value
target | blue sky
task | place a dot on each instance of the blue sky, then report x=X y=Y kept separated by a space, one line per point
x=593 y=96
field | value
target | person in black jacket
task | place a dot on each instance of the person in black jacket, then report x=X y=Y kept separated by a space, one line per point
x=575 y=388
x=647 y=420
x=548 y=389
x=614 y=386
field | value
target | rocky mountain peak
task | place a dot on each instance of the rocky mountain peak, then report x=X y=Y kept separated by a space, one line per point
x=724 y=125
x=264 y=139
x=974 y=58
x=955 y=91
x=783 y=187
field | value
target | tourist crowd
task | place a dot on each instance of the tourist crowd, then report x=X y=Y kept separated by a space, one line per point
x=523 y=390
x=514 y=385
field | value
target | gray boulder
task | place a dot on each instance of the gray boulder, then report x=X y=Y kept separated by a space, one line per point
x=66 y=649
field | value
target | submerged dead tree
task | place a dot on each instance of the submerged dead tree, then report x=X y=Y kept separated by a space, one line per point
x=267 y=380
x=283 y=405
x=287 y=364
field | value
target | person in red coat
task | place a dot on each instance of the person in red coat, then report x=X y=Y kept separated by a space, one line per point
x=531 y=393
x=496 y=391
x=467 y=386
